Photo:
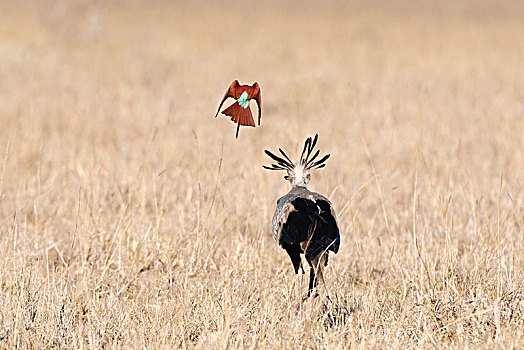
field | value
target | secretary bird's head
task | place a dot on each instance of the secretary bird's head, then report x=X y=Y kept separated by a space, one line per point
x=298 y=173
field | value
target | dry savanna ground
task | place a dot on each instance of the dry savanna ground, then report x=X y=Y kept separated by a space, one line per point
x=130 y=217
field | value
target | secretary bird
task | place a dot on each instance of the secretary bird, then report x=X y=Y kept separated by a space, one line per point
x=304 y=222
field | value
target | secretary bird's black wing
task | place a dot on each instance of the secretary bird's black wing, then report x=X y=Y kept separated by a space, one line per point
x=311 y=222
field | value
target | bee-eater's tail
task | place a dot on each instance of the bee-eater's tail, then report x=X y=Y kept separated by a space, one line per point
x=240 y=115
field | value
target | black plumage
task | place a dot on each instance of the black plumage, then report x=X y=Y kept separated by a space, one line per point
x=311 y=222
x=306 y=224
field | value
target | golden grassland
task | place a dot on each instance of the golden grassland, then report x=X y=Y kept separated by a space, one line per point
x=130 y=217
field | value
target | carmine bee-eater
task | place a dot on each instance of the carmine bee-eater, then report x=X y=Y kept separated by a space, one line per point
x=239 y=111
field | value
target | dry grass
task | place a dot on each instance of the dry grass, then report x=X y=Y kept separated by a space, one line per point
x=130 y=217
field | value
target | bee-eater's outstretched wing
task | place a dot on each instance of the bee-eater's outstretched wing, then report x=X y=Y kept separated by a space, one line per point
x=257 y=96
x=231 y=92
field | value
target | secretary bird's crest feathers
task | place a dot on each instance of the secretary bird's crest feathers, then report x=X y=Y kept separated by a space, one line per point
x=287 y=164
x=281 y=163
x=298 y=172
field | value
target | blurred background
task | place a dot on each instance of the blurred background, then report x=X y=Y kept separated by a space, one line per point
x=397 y=76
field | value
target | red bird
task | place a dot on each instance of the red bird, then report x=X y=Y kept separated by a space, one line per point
x=239 y=111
